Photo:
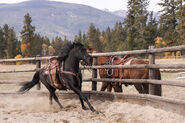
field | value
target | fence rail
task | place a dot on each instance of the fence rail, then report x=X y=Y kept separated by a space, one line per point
x=26 y=59
x=146 y=51
x=139 y=66
x=129 y=81
x=16 y=71
x=94 y=78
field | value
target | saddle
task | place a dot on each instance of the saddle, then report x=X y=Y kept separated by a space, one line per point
x=119 y=61
x=52 y=69
x=116 y=61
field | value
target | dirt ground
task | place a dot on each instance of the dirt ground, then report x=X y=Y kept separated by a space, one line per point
x=35 y=109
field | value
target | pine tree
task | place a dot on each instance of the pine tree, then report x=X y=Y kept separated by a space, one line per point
x=46 y=40
x=57 y=44
x=5 y=30
x=107 y=37
x=11 y=44
x=79 y=36
x=98 y=44
x=168 y=22
x=150 y=33
x=76 y=38
x=118 y=37
x=84 y=40
x=37 y=45
x=181 y=22
x=93 y=36
x=18 y=48
x=2 y=44
x=27 y=35
x=66 y=40
x=135 y=23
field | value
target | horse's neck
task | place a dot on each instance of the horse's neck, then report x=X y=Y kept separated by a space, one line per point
x=71 y=63
x=102 y=60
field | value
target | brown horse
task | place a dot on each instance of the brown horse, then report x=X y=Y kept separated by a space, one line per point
x=124 y=73
x=106 y=73
x=140 y=74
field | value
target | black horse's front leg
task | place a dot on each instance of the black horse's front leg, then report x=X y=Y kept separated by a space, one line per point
x=50 y=98
x=82 y=104
x=81 y=95
x=81 y=100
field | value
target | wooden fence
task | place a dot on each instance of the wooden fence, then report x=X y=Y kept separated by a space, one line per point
x=151 y=66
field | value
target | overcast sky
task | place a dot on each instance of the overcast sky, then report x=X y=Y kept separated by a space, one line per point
x=112 y=5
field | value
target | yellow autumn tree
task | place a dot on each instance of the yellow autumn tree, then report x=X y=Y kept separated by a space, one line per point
x=51 y=50
x=18 y=57
x=159 y=42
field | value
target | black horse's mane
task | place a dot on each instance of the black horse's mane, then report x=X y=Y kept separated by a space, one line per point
x=64 y=51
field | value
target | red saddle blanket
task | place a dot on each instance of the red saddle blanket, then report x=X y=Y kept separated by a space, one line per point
x=52 y=69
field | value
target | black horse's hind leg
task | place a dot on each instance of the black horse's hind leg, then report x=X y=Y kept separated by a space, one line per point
x=57 y=100
x=77 y=91
x=52 y=93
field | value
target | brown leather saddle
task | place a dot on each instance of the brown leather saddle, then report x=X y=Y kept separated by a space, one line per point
x=52 y=69
x=119 y=61
x=116 y=61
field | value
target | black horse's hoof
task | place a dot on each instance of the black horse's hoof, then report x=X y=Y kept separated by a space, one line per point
x=61 y=107
x=95 y=112
x=84 y=108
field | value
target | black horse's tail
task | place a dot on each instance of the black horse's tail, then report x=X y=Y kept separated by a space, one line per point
x=28 y=85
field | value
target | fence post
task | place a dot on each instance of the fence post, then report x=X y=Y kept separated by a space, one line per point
x=94 y=74
x=154 y=89
x=151 y=72
x=38 y=66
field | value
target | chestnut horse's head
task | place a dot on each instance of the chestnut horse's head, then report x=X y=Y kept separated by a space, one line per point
x=101 y=60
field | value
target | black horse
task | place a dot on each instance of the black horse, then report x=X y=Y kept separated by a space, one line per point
x=69 y=73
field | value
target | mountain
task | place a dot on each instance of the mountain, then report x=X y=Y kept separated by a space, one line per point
x=121 y=13
x=53 y=18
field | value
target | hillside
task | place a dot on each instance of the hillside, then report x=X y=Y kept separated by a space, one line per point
x=56 y=18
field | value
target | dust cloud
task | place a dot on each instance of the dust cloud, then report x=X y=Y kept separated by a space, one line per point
x=36 y=109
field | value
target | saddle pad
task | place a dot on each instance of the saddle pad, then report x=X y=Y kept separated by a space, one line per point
x=129 y=61
x=51 y=70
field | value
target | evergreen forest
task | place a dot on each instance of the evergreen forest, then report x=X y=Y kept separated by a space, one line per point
x=138 y=30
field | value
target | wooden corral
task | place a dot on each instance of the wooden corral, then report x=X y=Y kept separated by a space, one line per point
x=173 y=104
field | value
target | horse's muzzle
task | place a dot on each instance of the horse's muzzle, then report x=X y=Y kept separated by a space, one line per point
x=87 y=60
